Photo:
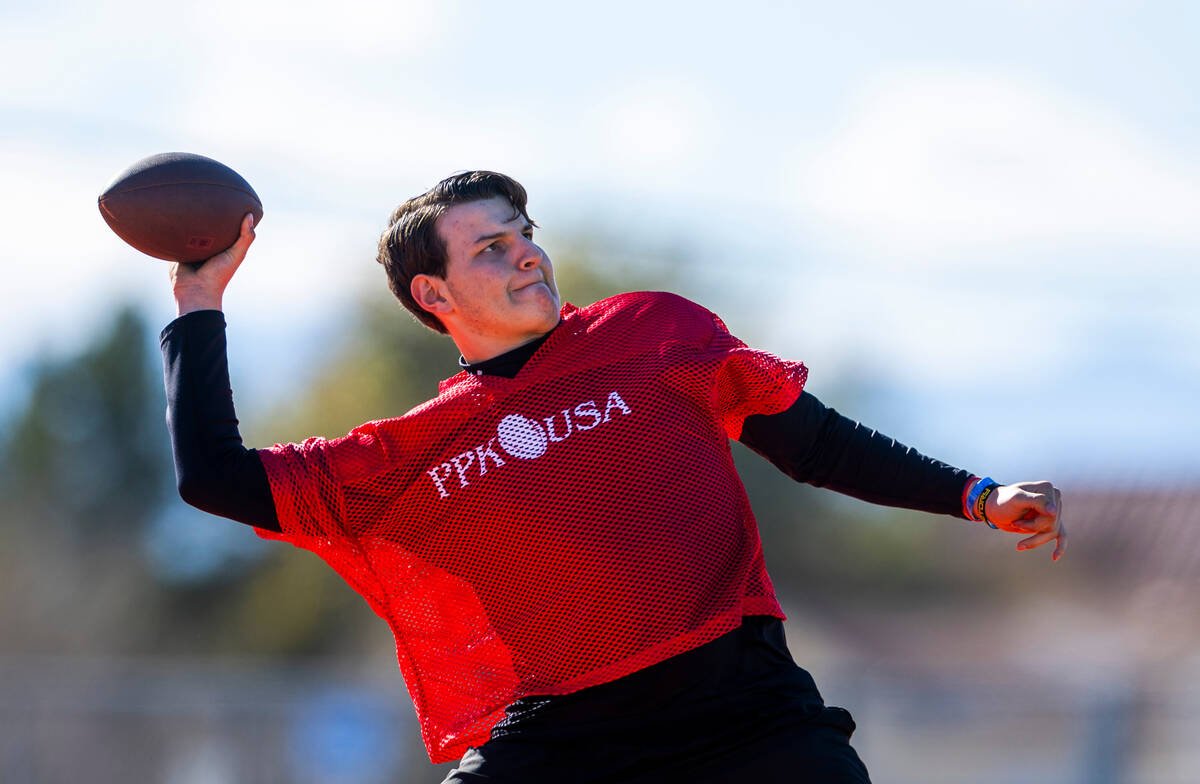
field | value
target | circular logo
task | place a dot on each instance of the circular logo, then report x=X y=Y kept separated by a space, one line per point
x=521 y=437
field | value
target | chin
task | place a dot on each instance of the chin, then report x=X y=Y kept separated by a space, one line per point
x=544 y=321
x=545 y=312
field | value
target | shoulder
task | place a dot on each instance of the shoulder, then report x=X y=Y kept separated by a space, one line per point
x=666 y=315
x=376 y=446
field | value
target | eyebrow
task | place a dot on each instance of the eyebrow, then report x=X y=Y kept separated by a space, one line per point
x=498 y=235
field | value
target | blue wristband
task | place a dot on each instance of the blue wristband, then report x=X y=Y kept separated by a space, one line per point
x=973 y=498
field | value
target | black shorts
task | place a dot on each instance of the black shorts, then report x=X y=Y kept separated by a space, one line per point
x=737 y=709
x=814 y=747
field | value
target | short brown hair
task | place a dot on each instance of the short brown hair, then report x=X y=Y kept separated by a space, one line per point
x=411 y=246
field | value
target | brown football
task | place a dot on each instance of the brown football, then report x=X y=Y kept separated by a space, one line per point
x=179 y=206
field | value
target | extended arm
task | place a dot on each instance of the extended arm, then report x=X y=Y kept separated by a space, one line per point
x=815 y=444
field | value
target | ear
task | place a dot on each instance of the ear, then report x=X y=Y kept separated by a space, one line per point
x=431 y=294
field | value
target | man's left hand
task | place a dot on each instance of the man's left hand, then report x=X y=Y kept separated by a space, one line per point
x=1029 y=508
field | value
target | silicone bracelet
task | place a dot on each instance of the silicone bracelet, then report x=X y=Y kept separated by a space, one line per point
x=981 y=504
x=983 y=488
x=966 y=493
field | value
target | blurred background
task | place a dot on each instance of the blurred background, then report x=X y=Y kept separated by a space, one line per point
x=975 y=221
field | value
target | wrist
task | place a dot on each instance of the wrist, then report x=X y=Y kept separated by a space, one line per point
x=987 y=500
x=966 y=494
x=976 y=495
x=189 y=302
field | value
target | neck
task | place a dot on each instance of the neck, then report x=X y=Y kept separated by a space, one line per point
x=480 y=348
x=508 y=364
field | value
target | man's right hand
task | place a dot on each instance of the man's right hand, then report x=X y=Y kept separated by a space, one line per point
x=201 y=286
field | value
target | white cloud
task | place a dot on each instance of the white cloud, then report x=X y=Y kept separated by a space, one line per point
x=138 y=61
x=60 y=262
x=362 y=28
x=68 y=271
x=657 y=125
x=303 y=265
x=934 y=161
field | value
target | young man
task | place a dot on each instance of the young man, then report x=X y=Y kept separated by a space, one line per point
x=559 y=540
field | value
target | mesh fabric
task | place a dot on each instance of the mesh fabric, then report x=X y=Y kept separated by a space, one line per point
x=557 y=530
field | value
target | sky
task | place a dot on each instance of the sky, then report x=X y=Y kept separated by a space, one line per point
x=975 y=221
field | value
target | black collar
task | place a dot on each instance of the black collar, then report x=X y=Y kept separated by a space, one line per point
x=507 y=364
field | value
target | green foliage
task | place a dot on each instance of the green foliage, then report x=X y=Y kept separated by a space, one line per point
x=85 y=467
x=86 y=456
x=294 y=606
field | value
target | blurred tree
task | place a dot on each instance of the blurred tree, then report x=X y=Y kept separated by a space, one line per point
x=82 y=471
x=85 y=456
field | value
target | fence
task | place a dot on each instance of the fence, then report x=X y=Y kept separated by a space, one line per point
x=206 y=722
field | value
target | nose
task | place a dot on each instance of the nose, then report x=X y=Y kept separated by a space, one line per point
x=531 y=256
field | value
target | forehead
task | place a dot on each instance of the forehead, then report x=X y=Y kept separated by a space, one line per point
x=462 y=224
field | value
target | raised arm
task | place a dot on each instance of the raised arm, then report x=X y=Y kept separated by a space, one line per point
x=213 y=470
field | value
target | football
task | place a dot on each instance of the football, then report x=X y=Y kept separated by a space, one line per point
x=179 y=206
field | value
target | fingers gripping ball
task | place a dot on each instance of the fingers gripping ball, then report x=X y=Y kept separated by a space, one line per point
x=179 y=206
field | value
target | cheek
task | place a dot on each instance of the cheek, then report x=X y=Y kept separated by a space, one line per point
x=485 y=281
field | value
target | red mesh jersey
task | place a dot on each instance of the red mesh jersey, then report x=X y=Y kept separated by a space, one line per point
x=557 y=530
